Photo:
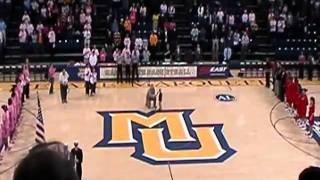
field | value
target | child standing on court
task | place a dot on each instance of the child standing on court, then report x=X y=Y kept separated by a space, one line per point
x=160 y=99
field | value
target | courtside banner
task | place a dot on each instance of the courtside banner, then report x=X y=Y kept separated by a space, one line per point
x=155 y=72
x=213 y=71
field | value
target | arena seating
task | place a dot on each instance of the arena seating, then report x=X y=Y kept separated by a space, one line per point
x=69 y=48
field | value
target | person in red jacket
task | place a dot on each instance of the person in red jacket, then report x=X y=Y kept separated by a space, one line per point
x=302 y=105
x=295 y=92
x=311 y=116
x=289 y=92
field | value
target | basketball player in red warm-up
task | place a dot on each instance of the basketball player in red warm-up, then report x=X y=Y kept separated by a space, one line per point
x=311 y=116
x=302 y=105
x=290 y=93
x=295 y=93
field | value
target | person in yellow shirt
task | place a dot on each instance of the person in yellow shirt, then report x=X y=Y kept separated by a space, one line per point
x=127 y=25
x=153 y=44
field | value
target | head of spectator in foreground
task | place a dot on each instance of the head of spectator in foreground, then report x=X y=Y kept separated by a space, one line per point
x=45 y=162
x=310 y=173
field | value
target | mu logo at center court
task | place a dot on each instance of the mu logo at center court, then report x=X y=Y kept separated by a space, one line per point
x=166 y=136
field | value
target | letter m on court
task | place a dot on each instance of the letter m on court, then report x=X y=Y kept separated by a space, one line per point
x=165 y=137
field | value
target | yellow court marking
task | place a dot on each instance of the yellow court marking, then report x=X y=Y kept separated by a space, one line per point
x=158 y=84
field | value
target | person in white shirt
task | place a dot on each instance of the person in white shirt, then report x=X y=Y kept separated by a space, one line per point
x=93 y=81
x=88 y=18
x=127 y=60
x=245 y=40
x=39 y=27
x=252 y=17
x=119 y=60
x=200 y=10
x=220 y=15
x=87 y=72
x=30 y=29
x=138 y=43
x=127 y=41
x=87 y=26
x=143 y=11
x=52 y=40
x=245 y=18
x=64 y=78
x=82 y=17
x=86 y=53
x=87 y=37
x=135 y=57
x=93 y=58
x=163 y=9
x=26 y=17
x=272 y=25
x=23 y=26
x=231 y=20
x=171 y=10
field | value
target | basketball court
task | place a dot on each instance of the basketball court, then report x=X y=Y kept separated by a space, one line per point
x=253 y=136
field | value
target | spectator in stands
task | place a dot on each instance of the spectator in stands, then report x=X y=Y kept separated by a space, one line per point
x=87 y=37
x=163 y=9
x=3 y=28
x=26 y=17
x=215 y=47
x=93 y=58
x=52 y=41
x=198 y=53
x=43 y=158
x=86 y=53
x=102 y=56
x=143 y=12
x=252 y=18
x=171 y=10
x=115 y=26
x=194 y=36
x=227 y=52
x=245 y=19
x=145 y=55
x=244 y=45
x=153 y=44
x=2 y=42
x=23 y=41
x=127 y=25
x=127 y=42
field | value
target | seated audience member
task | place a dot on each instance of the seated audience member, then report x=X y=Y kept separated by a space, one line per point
x=46 y=161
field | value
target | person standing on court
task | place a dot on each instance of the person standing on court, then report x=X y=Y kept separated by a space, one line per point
x=26 y=76
x=119 y=60
x=87 y=72
x=51 y=72
x=64 y=78
x=127 y=61
x=93 y=81
x=160 y=99
x=135 y=56
x=77 y=157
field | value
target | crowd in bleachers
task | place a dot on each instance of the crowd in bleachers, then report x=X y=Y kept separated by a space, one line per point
x=222 y=28
x=45 y=20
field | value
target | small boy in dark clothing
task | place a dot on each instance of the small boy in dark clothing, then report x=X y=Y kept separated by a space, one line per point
x=160 y=99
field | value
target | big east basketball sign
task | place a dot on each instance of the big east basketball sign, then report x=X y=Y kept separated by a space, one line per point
x=166 y=136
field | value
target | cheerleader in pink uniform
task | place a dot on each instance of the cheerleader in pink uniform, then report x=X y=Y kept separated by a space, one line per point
x=5 y=127
x=11 y=119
